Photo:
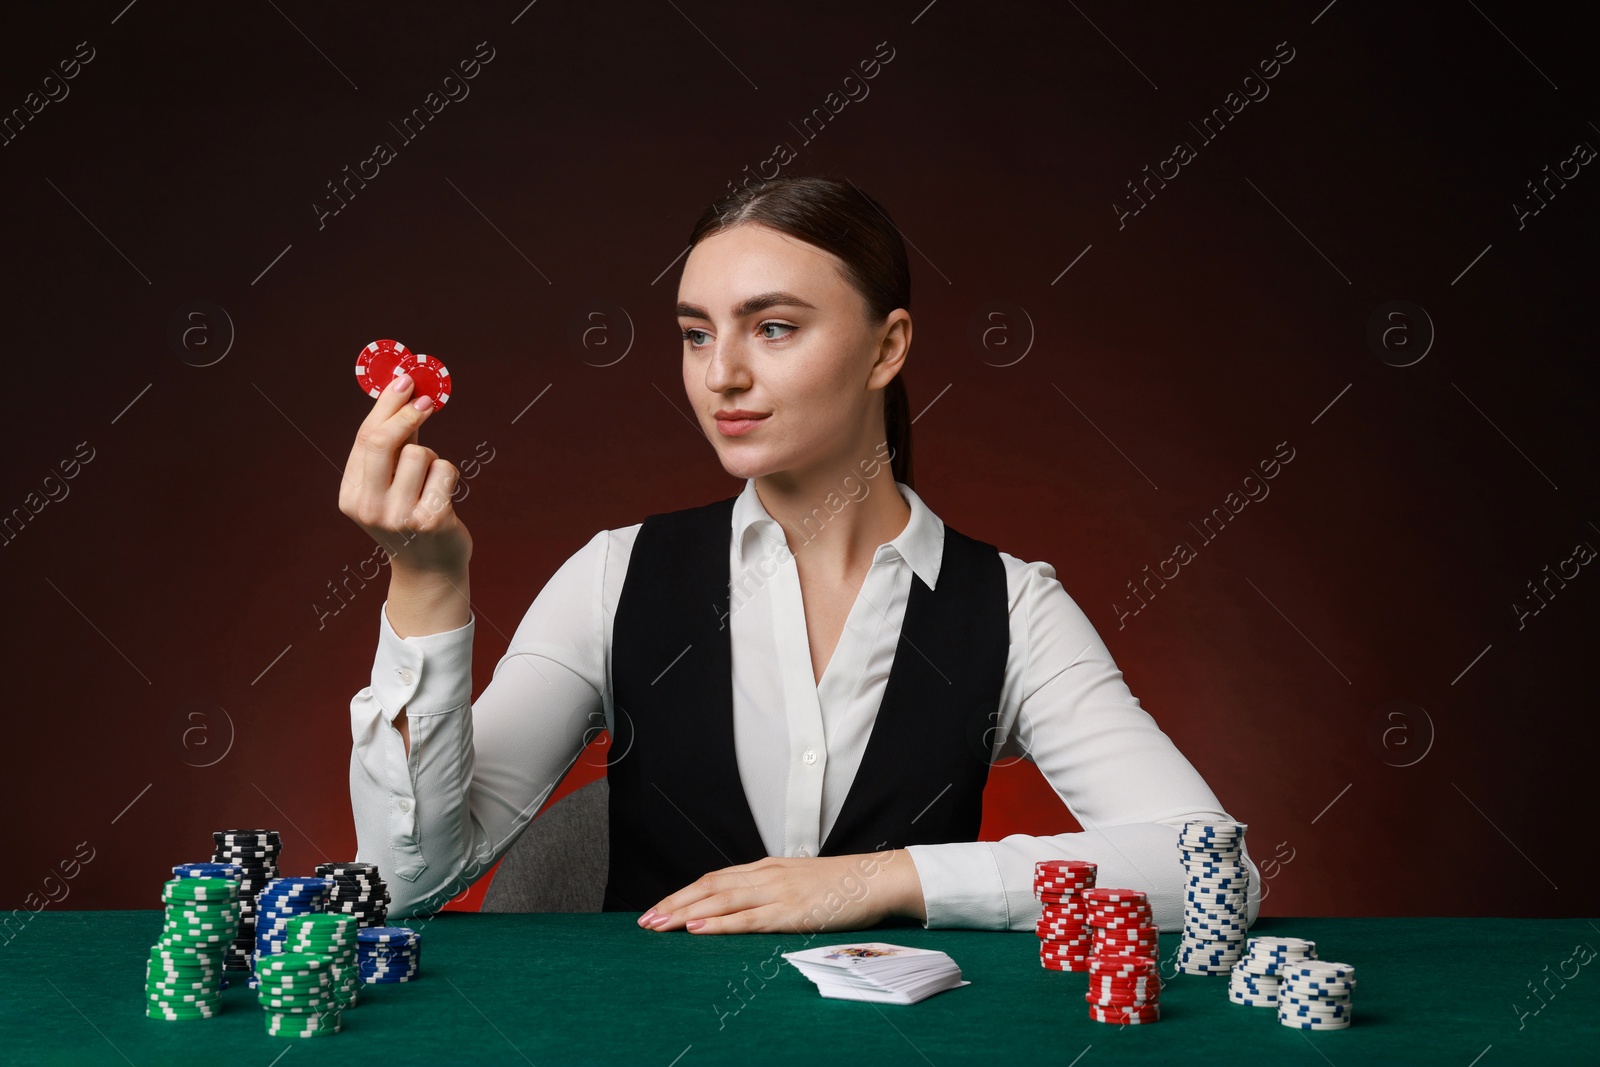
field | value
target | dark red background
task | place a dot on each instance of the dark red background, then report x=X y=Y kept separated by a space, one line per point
x=193 y=548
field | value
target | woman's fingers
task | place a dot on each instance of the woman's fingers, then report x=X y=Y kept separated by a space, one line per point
x=387 y=403
x=765 y=919
x=709 y=885
x=813 y=893
x=381 y=438
x=410 y=472
x=718 y=902
x=437 y=493
x=400 y=492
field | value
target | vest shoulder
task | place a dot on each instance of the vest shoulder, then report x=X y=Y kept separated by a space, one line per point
x=968 y=543
x=698 y=516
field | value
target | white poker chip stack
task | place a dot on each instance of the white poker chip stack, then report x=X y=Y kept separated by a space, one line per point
x=1215 y=919
x=1315 y=995
x=1256 y=978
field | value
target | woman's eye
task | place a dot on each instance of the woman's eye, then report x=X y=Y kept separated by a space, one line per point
x=697 y=337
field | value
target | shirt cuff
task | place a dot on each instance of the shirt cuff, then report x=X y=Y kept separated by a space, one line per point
x=961 y=886
x=426 y=675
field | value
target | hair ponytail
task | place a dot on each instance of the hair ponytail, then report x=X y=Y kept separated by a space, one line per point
x=897 y=428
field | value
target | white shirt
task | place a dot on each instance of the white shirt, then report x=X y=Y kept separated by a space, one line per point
x=479 y=770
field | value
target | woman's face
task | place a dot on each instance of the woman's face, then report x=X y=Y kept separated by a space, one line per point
x=774 y=330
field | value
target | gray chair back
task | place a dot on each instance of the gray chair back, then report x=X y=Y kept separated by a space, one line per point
x=559 y=863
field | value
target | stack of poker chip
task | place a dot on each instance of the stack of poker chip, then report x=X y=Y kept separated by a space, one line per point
x=1122 y=922
x=1215 y=915
x=1255 y=978
x=280 y=901
x=297 y=993
x=1065 y=940
x=1315 y=995
x=389 y=954
x=182 y=983
x=183 y=977
x=212 y=870
x=358 y=890
x=230 y=871
x=255 y=854
x=1124 y=989
x=333 y=936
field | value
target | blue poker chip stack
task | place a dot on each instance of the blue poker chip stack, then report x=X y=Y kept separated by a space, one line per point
x=388 y=954
x=207 y=870
x=1215 y=915
x=229 y=871
x=1315 y=995
x=1256 y=978
x=280 y=901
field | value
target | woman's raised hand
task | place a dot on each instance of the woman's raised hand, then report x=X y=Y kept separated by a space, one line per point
x=399 y=491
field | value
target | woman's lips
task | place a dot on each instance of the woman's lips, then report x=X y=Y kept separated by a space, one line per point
x=738 y=427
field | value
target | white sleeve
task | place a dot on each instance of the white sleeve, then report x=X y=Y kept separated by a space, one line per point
x=478 y=771
x=1066 y=708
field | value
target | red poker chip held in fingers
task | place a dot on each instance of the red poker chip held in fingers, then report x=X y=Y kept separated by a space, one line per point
x=431 y=376
x=377 y=363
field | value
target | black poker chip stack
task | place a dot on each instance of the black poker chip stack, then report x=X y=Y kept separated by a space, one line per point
x=358 y=890
x=255 y=853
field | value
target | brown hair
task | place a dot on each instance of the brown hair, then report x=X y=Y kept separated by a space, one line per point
x=837 y=217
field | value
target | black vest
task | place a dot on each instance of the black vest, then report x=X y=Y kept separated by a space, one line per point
x=677 y=804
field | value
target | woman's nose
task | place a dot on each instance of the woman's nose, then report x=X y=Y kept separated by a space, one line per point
x=727 y=368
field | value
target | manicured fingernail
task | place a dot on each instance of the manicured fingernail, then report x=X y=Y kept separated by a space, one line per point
x=661 y=920
x=644 y=920
x=694 y=924
x=422 y=403
x=401 y=383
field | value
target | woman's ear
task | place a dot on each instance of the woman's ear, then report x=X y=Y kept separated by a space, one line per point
x=893 y=346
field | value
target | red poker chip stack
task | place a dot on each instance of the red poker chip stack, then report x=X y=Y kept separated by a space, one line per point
x=1124 y=989
x=1124 y=985
x=1065 y=939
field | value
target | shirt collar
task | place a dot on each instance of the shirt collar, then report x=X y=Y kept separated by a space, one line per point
x=921 y=543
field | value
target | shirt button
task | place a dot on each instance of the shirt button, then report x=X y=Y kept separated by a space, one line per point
x=809 y=756
x=405 y=805
x=405 y=675
x=802 y=853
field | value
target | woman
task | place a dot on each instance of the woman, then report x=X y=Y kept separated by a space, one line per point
x=805 y=684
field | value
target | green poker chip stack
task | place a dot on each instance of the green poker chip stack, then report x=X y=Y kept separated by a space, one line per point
x=184 y=974
x=297 y=991
x=332 y=935
x=286 y=1024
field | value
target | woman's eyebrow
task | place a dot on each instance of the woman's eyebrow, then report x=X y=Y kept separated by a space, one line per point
x=749 y=306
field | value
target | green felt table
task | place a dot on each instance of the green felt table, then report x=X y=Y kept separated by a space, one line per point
x=580 y=989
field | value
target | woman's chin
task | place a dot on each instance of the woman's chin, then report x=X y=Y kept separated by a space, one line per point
x=743 y=464
x=743 y=471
